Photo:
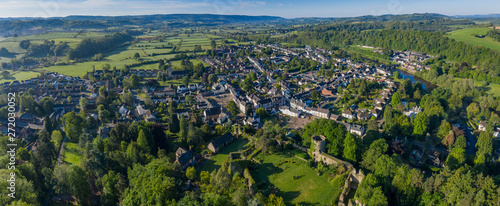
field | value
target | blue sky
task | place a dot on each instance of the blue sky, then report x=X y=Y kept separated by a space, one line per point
x=283 y=8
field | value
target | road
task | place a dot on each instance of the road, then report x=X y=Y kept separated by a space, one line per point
x=471 y=148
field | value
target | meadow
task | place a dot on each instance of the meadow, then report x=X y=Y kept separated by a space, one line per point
x=72 y=153
x=117 y=58
x=466 y=35
x=19 y=75
x=308 y=189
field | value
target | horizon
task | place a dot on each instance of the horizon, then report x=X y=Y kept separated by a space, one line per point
x=285 y=9
x=25 y=17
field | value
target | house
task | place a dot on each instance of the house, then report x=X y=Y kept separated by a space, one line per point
x=123 y=110
x=413 y=112
x=141 y=111
x=220 y=142
x=363 y=115
x=176 y=74
x=374 y=113
x=254 y=121
x=379 y=106
x=290 y=111
x=28 y=117
x=218 y=89
x=184 y=158
x=318 y=112
x=296 y=104
x=482 y=126
x=436 y=158
x=347 y=114
x=357 y=129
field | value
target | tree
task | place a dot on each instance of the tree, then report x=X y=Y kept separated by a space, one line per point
x=153 y=184
x=134 y=80
x=315 y=95
x=56 y=138
x=73 y=125
x=205 y=177
x=137 y=56
x=240 y=197
x=83 y=103
x=191 y=173
x=233 y=108
x=472 y=110
x=142 y=142
x=213 y=44
x=261 y=112
x=484 y=144
x=183 y=128
x=173 y=125
x=420 y=125
x=396 y=99
x=350 y=148
x=274 y=200
x=79 y=184
x=5 y=74
x=25 y=44
x=185 y=80
x=212 y=78
x=456 y=158
x=111 y=188
x=377 y=149
x=127 y=98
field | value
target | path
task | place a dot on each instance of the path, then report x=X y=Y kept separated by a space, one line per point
x=61 y=150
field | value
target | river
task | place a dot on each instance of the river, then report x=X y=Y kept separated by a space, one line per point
x=425 y=84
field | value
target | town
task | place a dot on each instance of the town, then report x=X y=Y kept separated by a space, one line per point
x=314 y=114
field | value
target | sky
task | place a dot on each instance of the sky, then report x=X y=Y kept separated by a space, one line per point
x=283 y=8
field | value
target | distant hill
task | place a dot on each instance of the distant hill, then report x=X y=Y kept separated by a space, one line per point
x=184 y=17
x=479 y=16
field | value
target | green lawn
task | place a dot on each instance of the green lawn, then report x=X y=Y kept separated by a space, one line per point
x=309 y=189
x=72 y=153
x=19 y=76
x=215 y=161
x=466 y=35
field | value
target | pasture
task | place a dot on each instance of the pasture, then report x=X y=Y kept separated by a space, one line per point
x=467 y=35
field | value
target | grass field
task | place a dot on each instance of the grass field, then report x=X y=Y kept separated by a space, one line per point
x=215 y=161
x=117 y=58
x=19 y=76
x=72 y=153
x=466 y=35
x=308 y=189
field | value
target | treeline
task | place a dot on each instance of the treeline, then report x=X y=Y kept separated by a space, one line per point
x=428 y=42
x=90 y=46
x=494 y=34
x=47 y=48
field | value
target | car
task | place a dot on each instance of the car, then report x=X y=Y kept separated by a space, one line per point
x=457 y=125
x=468 y=144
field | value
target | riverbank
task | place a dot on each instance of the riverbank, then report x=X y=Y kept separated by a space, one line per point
x=428 y=86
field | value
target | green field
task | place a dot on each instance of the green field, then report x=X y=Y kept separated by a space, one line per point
x=466 y=35
x=215 y=161
x=19 y=76
x=308 y=189
x=72 y=153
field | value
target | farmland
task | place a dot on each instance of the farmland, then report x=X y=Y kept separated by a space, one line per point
x=467 y=35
